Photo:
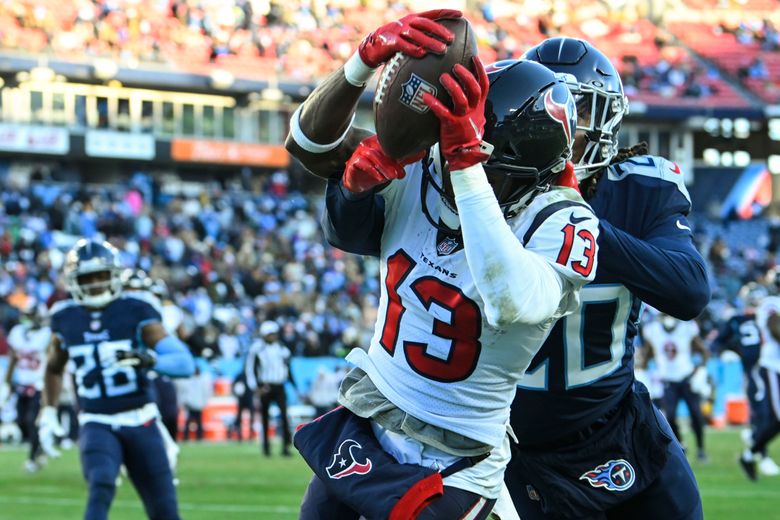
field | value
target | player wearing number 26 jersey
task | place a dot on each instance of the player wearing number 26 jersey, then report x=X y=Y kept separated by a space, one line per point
x=112 y=341
x=591 y=444
x=478 y=260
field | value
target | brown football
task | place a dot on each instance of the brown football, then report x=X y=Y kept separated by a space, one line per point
x=404 y=124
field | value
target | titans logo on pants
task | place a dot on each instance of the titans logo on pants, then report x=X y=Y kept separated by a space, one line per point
x=412 y=96
x=614 y=475
x=344 y=464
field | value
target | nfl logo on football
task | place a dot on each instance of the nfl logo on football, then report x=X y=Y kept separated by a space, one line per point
x=413 y=92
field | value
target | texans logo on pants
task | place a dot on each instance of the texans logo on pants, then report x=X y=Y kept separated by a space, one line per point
x=344 y=464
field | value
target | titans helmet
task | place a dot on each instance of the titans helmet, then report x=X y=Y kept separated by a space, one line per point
x=83 y=270
x=529 y=131
x=598 y=92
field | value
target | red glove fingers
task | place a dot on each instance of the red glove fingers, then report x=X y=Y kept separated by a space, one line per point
x=414 y=35
x=461 y=128
x=370 y=167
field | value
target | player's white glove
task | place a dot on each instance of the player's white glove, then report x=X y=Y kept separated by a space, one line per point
x=49 y=428
x=136 y=358
x=5 y=393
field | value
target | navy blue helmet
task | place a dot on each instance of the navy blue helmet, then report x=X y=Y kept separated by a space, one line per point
x=529 y=131
x=93 y=275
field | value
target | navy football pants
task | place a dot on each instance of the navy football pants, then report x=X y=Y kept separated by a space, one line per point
x=673 y=495
x=455 y=503
x=142 y=450
x=770 y=426
x=27 y=408
x=673 y=392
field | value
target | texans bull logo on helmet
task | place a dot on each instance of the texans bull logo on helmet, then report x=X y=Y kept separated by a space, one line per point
x=613 y=475
x=562 y=109
x=344 y=463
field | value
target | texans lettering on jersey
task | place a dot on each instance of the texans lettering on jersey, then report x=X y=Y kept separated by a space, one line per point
x=770 y=351
x=29 y=346
x=433 y=353
x=585 y=367
x=92 y=339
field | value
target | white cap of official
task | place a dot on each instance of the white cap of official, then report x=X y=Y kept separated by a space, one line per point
x=269 y=327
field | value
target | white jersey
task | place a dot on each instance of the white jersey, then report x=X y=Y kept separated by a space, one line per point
x=433 y=353
x=29 y=346
x=770 y=350
x=171 y=318
x=672 y=349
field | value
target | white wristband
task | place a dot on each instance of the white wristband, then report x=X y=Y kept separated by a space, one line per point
x=307 y=144
x=356 y=71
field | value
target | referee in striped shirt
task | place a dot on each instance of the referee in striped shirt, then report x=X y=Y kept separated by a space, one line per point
x=267 y=370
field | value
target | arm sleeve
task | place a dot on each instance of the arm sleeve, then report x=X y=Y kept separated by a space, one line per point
x=516 y=284
x=353 y=222
x=249 y=368
x=173 y=358
x=663 y=269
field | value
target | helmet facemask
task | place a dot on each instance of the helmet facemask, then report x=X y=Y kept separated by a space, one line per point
x=600 y=114
x=94 y=285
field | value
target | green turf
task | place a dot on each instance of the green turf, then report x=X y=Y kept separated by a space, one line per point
x=233 y=481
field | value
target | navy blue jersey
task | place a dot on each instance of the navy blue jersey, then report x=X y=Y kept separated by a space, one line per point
x=585 y=367
x=742 y=335
x=92 y=339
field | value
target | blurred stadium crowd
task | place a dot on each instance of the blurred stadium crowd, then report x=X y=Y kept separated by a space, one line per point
x=232 y=257
x=305 y=39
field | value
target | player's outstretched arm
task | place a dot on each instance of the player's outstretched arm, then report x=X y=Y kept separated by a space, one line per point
x=321 y=133
x=663 y=269
x=172 y=357
x=48 y=423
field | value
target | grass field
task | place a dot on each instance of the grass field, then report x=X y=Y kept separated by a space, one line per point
x=233 y=481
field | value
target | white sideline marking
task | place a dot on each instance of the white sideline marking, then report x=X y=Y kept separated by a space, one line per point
x=136 y=504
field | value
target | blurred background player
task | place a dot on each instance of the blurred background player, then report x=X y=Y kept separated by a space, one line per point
x=674 y=344
x=768 y=320
x=27 y=343
x=196 y=391
x=741 y=335
x=246 y=403
x=267 y=372
x=427 y=393
x=579 y=408
x=112 y=340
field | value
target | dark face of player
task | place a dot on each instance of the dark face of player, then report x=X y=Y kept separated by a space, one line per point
x=95 y=283
x=270 y=338
x=578 y=149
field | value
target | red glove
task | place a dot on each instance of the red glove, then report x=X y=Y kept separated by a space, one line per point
x=414 y=35
x=568 y=178
x=369 y=166
x=460 y=129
